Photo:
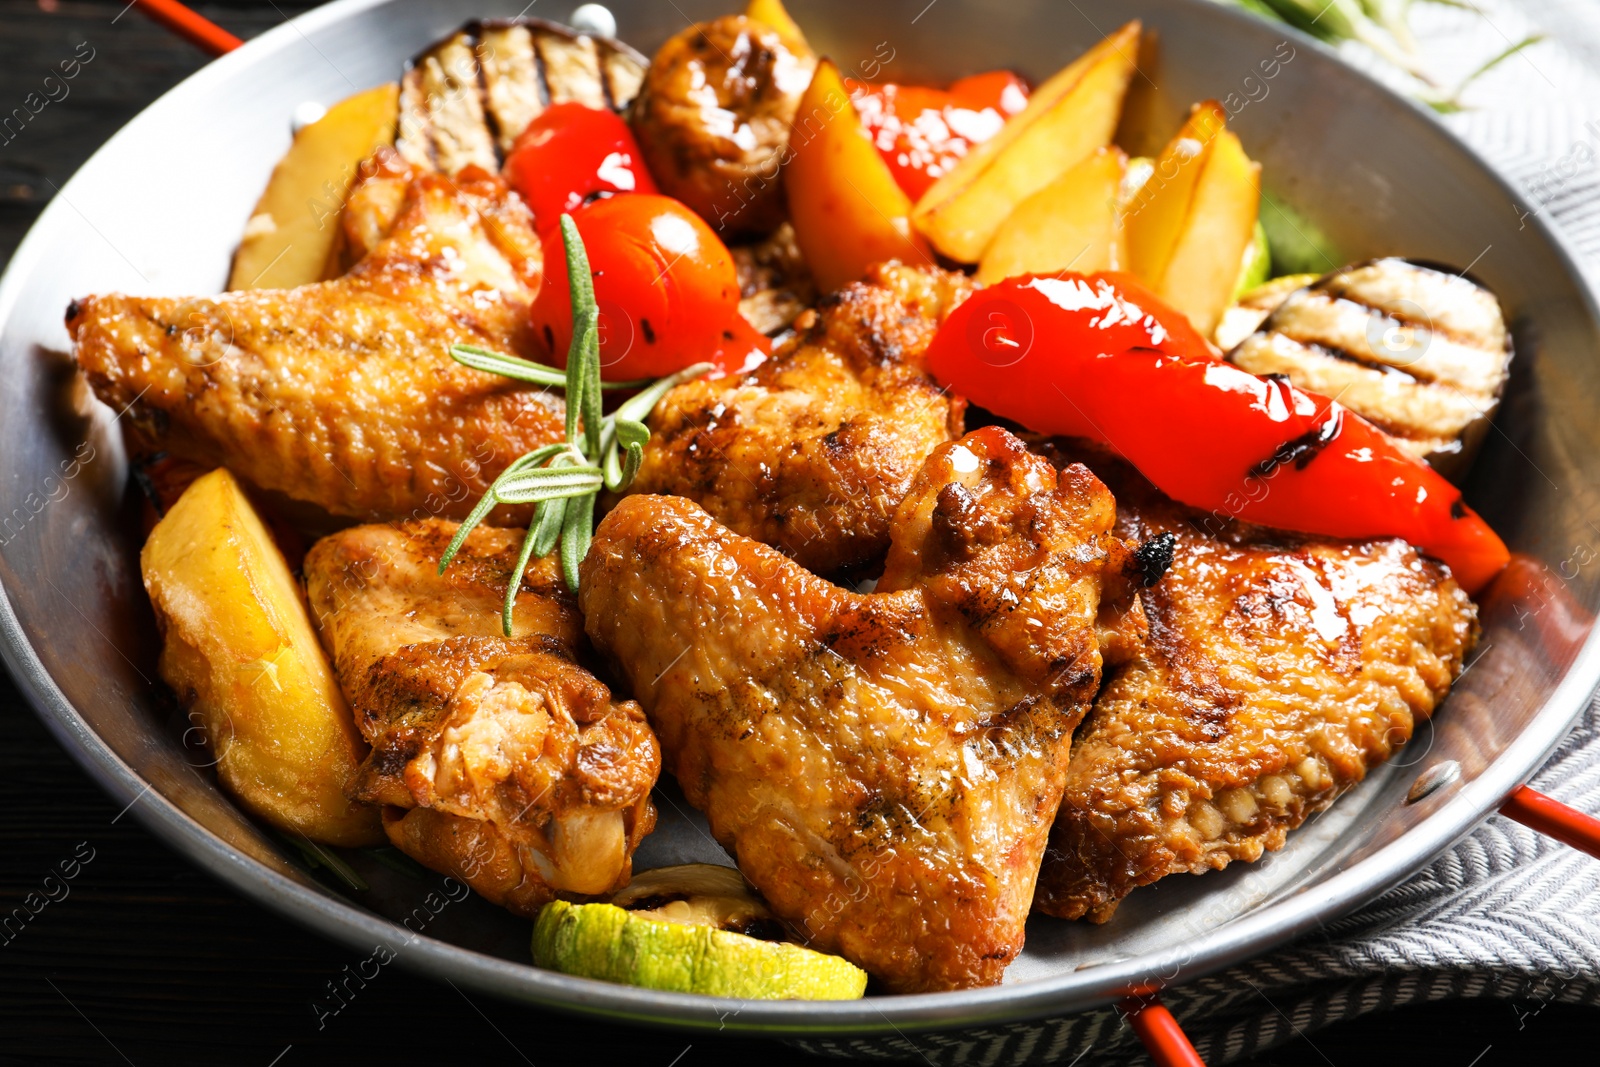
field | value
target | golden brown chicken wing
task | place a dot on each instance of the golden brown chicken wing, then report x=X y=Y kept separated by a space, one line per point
x=811 y=452
x=503 y=760
x=1279 y=670
x=342 y=393
x=884 y=767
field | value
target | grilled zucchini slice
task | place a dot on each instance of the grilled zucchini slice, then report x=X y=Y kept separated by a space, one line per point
x=465 y=99
x=1418 y=351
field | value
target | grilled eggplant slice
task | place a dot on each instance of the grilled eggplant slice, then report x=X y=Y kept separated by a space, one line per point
x=1253 y=306
x=775 y=284
x=466 y=98
x=1418 y=351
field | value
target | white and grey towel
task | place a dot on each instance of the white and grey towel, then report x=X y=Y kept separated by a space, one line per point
x=1505 y=913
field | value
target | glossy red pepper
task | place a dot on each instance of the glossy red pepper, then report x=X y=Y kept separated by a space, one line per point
x=571 y=154
x=921 y=132
x=664 y=283
x=1097 y=356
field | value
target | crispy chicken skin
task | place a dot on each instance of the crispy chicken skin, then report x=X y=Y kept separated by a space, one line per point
x=884 y=767
x=1279 y=670
x=812 y=451
x=342 y=393
x=503 y=761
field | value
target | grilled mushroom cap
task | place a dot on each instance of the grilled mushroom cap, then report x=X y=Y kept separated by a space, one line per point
x=713 y=121
x=465 y=99
x=1420 y=352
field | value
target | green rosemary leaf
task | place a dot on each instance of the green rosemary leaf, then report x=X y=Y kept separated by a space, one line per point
x=473 y=518
x=552 y=513
x=575 y=535
x=523 y=370
x=570 y=482
x=592 y=414
x=630 y=465
x=632 y=433
x=638 y=408
x=584 y=327
x=578 y=276
x=514 y=585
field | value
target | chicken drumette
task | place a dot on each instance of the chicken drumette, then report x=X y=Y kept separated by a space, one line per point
x=884 y=767
x=500 y=760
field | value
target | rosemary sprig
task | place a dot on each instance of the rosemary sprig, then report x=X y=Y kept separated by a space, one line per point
x=600 y=451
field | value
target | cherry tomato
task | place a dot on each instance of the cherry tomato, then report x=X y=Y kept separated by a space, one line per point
x=921 y=133
x=571 y=154
x=665 y=285
x=1096 y=356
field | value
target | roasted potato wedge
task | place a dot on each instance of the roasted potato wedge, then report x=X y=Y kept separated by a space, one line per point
x=240 y=652
x=848 y=211
x=1074 y=223
x=291 y=232
x=1067 y=117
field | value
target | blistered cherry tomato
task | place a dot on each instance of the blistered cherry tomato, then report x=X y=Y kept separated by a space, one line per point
x=571 y=154
x=665 y=286
x=921 y=133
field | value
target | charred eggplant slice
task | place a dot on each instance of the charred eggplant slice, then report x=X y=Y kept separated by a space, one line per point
x=1418 y=351
x=464 y=100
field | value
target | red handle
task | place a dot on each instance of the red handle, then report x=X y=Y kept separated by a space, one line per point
x=1163 y=1038
x=1567 y=825
x=193 y=28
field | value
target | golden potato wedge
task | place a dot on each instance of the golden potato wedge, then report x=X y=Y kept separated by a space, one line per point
x=1203 y=271
x=774 y=14
x=1157 y=210
x=1067 y=117
x=1074 y=223
x=290 y=234
x=847 y=210
x=239 y=650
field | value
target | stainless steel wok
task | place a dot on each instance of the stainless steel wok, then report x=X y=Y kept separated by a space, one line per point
x=159 y=208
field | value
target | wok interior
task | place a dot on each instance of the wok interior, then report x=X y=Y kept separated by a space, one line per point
x=1372 y=174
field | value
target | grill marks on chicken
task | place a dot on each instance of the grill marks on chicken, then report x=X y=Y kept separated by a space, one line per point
x=503 y=761
x=812 y=451
x=884 y=767
x=1279 y=670
x=342 y=393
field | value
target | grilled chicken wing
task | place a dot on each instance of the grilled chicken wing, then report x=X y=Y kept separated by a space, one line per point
x=884 y=767
x=812 y=451
x=342 y=393
x=1279 y=670
x=502 y=760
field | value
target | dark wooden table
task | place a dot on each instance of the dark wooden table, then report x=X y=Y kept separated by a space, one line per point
x=146 y=960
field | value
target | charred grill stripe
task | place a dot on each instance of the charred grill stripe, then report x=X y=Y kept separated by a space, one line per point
x=491 y=118
x=1154 y=557
x=1313 y=342
x=541 y=72
x=1303 y=449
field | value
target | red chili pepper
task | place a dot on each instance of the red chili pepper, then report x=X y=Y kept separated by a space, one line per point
x=1097 y=356
x=571 y=154
x=665 y=286
x=921 y=132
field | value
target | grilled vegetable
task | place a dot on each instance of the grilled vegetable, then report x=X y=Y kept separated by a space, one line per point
x=1247 y=314
x=691 y=929
x=713 y=120
x=1073 y=113
x=1419 y=352
x=1144 y=383
x=239 y=650
x=467 y=98
x=290 y=237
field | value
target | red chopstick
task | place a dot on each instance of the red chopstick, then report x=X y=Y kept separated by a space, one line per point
x=1163 y=1038
x=1553 y=818
x=193 y=28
